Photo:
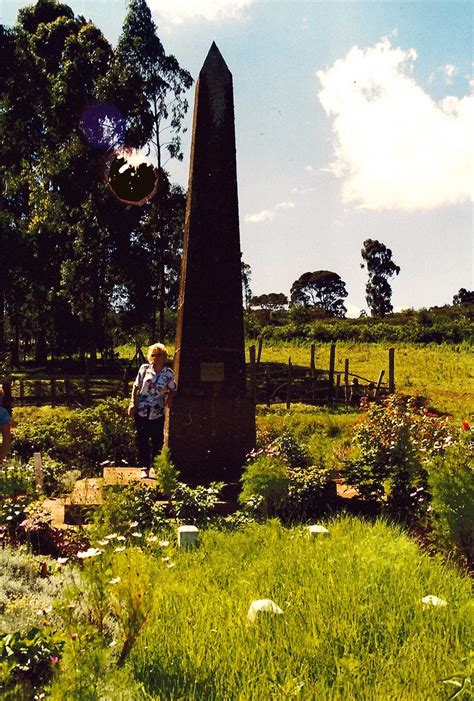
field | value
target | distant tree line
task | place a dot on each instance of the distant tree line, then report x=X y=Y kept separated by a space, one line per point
x=76 y=264
x=325 y=291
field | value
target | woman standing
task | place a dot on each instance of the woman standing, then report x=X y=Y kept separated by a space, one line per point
x=152 y=390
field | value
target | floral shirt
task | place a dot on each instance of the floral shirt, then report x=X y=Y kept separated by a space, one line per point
x=152 y=387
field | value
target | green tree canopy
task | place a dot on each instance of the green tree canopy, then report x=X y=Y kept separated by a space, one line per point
x=380 y=267
x=321 y=288
x=463 y=297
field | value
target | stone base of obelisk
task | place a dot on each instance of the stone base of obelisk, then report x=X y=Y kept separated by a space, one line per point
x=209 y=437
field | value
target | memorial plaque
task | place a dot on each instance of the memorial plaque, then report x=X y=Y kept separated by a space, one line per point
x=212 y=372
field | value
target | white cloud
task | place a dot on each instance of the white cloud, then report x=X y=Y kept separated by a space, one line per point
x=258 y=217
x=178 y=11
x=285 y=205
x=394 y=145
x=300 y=190
x=309 y=169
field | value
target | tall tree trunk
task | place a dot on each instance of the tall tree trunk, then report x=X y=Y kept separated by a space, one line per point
x=41 y=349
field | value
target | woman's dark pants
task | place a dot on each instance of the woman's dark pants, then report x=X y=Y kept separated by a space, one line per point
x=149 y=435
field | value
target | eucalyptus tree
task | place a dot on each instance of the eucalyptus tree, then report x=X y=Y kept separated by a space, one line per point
x=165 y=87
x=380 y=267
x=63 y=65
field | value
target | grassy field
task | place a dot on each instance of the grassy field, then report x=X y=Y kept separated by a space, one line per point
x=443 y=373
x=353 y=624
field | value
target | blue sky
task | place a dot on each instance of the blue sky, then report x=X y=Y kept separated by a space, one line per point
x=354 y=120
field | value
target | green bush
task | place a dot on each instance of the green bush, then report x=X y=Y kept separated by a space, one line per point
x=451 y=482
x=24 y=593
x=82 y=439
x=27 y=661
x=16 y=479
x=266 y=477
x=135 y=502
x=196 y=505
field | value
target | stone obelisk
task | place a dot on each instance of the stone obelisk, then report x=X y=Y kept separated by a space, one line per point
x=211 y=426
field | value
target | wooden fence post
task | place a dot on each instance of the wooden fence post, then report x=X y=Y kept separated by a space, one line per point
x=346 y=381
x=338 y=385
x=332 y=365
x=312 y=365
x=259 y=350
x=53 y=391
x=253 y=375
x=22 y=391
x=38 y=472
x=379 y=383
x=391 y=370
x=288 y=387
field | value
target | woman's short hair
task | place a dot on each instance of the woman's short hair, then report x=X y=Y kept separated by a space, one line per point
x=156 y=348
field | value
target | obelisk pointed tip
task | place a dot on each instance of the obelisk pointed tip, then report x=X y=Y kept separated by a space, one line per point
x=214 y=60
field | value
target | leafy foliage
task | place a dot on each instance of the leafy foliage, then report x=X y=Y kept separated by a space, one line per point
x=451 y=483
x=84 y=439
x=321 y=288
x=380 y=267
x=392 y=444
x=28 y=659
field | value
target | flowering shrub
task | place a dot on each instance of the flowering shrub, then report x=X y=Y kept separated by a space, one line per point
x=27 y=660
x=391 y=446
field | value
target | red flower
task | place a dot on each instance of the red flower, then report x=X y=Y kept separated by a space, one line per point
x=465 y=426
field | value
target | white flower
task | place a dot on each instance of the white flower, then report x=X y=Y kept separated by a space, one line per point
x=170 y=565
x=111 y=536
x=120 y=549
x=134 y=524
x=121 y=537
x=318 y=530
x=115 y=580
x=164 y=543
x=136 y=534
x=432 y=600
x=90 y=552
x=62 y=560
x=262 y=605
x=152 y=538
x=103 y=542
x=165 y=559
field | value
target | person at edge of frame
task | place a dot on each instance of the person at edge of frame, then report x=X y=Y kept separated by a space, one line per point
x=5 y=428
x=152 y=391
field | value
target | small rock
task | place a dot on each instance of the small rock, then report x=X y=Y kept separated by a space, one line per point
x=318 y=530
x=432 y=600
x=262 y=606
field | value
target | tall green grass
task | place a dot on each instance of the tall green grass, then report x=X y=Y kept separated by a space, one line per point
x=353 y=625
x=442 y=372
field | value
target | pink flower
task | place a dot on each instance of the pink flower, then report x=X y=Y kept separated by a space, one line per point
x=54 y=659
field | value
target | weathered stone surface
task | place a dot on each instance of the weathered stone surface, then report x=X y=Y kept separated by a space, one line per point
x=212 y=424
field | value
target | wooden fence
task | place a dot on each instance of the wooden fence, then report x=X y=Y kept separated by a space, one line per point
x=268 y=383
x=311 y=385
